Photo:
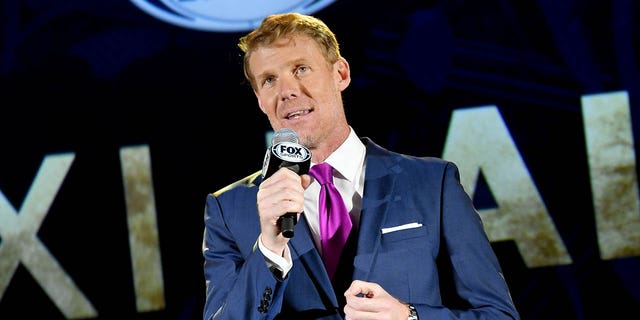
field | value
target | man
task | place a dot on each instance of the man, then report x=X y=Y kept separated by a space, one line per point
x=415 y=236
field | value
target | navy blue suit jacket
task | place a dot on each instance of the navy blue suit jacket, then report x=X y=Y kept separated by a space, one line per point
x=398 y=190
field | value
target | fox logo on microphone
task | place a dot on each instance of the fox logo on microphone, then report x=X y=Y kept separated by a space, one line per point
x=286 y=154
x=290 y=151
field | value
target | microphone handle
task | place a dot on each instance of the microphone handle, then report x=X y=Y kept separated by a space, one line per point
x=286 y=222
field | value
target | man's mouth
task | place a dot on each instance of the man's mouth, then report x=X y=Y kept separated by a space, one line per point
x=297 y=114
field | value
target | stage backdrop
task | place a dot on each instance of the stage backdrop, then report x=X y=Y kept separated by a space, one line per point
x=119 y=117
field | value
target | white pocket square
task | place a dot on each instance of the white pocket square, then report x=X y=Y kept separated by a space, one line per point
x=401 y=227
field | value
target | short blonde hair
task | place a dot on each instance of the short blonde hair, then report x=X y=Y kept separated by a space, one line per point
x=278 y=26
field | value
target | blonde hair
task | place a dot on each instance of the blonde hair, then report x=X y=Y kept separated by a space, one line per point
x=278 y=26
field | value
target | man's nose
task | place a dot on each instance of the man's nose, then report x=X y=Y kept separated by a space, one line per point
x=289 y=87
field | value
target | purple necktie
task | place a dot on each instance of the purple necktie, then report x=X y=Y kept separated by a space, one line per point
x=335 y=222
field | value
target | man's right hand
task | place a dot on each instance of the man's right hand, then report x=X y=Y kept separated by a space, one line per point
x=282 y=192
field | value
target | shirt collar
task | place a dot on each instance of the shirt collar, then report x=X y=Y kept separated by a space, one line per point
x=349 y=157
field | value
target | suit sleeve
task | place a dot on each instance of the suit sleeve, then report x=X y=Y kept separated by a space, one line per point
x=239 y=284
x=475 y=270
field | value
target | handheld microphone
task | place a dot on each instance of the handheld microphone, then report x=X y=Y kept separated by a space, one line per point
x=285 y=152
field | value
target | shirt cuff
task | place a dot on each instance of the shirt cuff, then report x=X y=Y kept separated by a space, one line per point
x=282 y=263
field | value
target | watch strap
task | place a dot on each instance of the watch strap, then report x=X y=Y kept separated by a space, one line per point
x=413 y=313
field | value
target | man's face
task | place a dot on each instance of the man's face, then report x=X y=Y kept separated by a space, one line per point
x=298 y=89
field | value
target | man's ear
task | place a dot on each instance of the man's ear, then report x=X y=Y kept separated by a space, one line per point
x=343 y=73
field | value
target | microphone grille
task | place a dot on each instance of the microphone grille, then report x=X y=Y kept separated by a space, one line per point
x=284 y=135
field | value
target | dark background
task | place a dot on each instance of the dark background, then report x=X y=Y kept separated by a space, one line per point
x=90 y=77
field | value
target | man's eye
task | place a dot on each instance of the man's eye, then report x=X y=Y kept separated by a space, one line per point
x=303 y=69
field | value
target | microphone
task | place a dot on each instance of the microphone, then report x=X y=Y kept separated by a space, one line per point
x=285 y=152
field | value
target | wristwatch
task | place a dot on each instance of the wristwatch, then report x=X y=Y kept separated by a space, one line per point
x=413 y=313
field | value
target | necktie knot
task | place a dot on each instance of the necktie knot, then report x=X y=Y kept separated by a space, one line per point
x=323 y=172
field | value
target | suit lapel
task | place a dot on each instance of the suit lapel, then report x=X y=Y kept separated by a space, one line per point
x=303 y=249
x=379 y=189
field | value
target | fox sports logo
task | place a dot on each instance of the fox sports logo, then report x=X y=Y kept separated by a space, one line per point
x=224 y=15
